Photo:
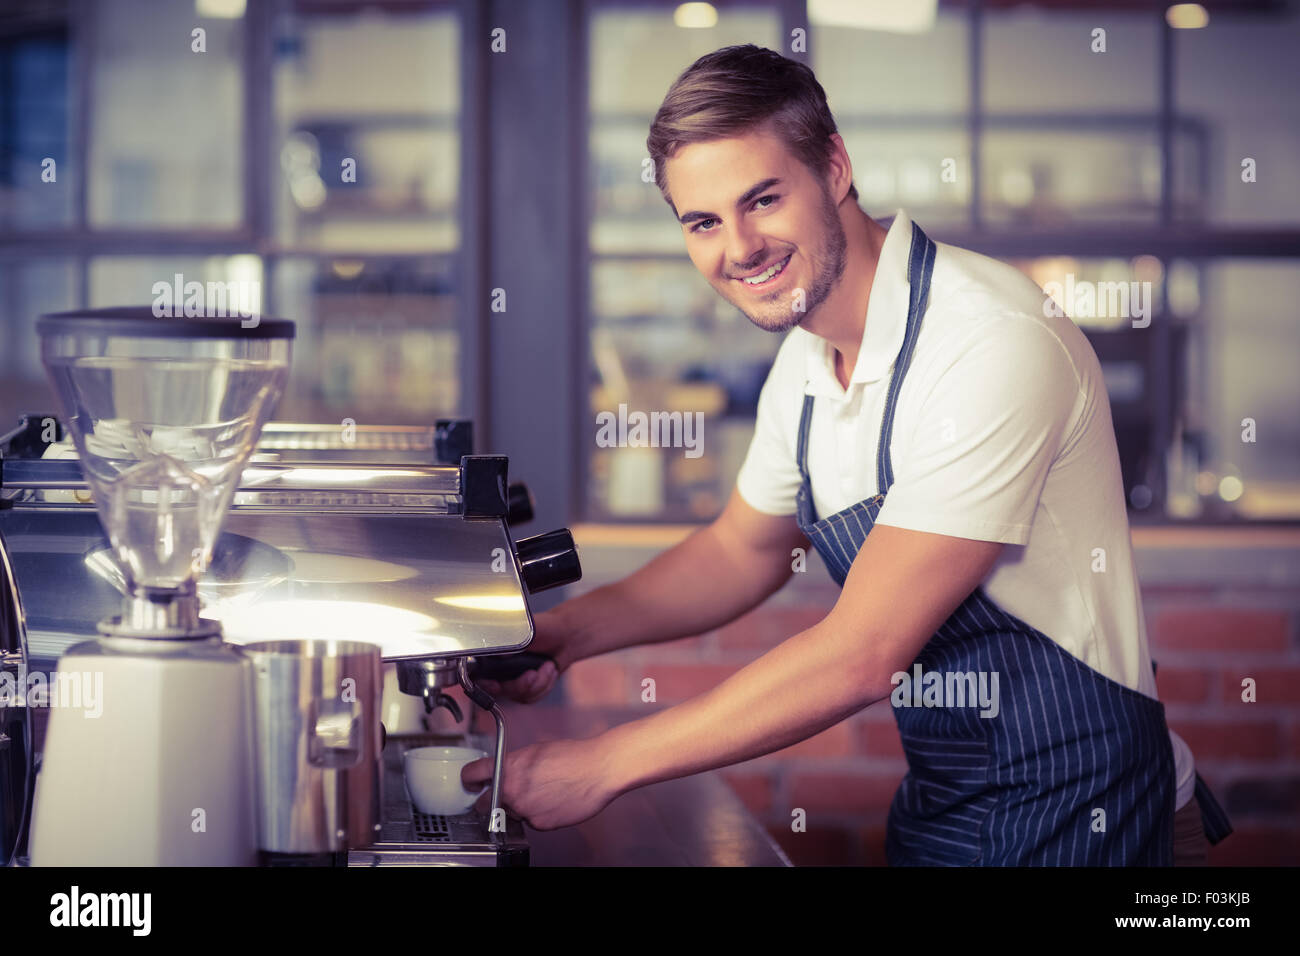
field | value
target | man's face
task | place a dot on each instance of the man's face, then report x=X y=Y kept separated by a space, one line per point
x=746 y=205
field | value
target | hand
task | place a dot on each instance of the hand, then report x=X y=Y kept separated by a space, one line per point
x=550 y=637
x=549 y=785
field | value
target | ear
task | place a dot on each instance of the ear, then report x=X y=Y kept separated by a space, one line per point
x=840 y=172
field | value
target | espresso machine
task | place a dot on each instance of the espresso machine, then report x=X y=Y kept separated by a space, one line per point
x=394 y=538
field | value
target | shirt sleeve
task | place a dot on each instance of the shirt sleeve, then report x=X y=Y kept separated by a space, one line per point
x=986 y=435
x=769 y=477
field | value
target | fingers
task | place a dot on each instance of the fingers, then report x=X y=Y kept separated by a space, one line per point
x=517 y=689
x=483 y=805
x=527 y=687
x=530 y=686
x=540 y=681
x=477 y=772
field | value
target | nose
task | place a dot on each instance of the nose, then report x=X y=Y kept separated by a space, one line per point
x=745 y=249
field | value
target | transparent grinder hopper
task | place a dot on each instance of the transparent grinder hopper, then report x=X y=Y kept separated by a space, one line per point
x=165 y=413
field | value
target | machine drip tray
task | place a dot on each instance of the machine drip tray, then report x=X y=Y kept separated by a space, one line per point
x=410 y=838
x=431 y=829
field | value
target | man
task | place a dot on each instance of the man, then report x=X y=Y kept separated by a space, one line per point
x=945 y=443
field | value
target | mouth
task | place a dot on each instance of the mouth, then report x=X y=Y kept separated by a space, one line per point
x=768 y=277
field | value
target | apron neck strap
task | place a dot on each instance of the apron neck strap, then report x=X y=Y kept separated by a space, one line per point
x=920 y=266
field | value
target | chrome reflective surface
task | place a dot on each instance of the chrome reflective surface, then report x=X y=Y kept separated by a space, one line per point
x=316 y=727
x=436 y=483
x=417 y=584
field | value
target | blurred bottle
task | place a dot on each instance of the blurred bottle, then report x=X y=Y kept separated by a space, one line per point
x=1182 y=463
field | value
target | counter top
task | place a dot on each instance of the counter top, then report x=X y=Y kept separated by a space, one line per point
x=693 y=821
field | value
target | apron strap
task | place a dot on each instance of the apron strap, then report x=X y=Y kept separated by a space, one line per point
x=807 y=511
x=801 y=450
x=920 y=266
x=1214 y=819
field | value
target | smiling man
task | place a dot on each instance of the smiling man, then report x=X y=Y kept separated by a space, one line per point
x=945 y=443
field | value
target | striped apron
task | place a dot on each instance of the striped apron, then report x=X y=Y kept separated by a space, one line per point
x=1075 y=769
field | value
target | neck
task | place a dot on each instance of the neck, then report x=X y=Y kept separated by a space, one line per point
x=842 y=318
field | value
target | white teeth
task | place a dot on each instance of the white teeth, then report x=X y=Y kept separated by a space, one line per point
x=764 y=276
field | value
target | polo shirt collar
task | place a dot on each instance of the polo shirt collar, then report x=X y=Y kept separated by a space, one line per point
x=886 y=320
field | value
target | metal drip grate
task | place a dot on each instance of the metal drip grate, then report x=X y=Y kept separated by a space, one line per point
x=430 y=828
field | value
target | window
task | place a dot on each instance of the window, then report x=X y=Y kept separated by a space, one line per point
x=1097 y=146
x=661 y=338
x=36 y=179
x=167 y=131
x=366 y=160
x=901 y=102
x=311 y=151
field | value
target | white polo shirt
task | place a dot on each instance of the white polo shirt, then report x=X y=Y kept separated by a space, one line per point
x=1002 y=432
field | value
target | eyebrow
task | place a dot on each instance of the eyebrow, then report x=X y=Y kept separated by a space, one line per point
x=750 y=194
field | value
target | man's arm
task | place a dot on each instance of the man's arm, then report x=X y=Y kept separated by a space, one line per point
x=902 y=586
x=716 y=574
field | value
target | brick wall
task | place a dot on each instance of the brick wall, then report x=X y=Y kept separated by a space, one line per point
x=1215 y=616
x=1206 y=645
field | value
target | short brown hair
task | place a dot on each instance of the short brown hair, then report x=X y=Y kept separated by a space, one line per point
x=735 y=89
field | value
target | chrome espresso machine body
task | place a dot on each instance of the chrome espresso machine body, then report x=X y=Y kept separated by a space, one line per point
x=390 y=535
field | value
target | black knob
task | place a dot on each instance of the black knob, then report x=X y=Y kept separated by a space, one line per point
x=548 y=560
x=453 y=439
x=519 y=504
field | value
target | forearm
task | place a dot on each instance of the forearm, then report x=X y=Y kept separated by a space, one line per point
x=699 y=584
x=803 y=686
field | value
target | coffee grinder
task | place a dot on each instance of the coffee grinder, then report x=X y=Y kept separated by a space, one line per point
x=165 y=412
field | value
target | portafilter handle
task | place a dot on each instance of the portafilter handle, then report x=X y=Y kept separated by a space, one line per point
x=503 y=667
x=519 y=504
x=420 y=678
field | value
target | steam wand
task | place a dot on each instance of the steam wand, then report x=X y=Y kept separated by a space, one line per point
x=480 y=697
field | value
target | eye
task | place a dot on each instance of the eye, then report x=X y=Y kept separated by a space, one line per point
x=699 y=226
x=765 y=199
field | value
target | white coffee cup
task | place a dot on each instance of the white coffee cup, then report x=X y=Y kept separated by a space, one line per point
x=433 y=779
